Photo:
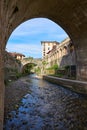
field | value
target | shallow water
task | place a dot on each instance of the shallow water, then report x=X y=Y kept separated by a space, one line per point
x=48 y=107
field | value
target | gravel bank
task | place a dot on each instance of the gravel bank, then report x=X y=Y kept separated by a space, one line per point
x=14 y=92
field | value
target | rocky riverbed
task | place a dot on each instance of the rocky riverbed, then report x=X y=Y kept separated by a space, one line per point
x=35 y=104
x=14 y=92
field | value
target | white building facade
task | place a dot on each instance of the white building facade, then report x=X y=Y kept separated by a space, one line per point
x=62 y=54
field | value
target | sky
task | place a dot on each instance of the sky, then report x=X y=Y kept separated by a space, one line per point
x=27 y=37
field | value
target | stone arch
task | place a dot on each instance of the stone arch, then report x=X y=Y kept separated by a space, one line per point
x=70 y=15
x=71 y=47
x=60 y=52
x=65 y=50
x=25 y=11
x=26 y=65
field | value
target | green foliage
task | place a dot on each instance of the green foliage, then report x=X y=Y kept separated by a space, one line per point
x=44 y=62
x=28 y=58
x=54 y=67
x=38 y=70
x=50 y=68
x=67 y=67
x=28 y=68
x=18 y=61
x=18 y=75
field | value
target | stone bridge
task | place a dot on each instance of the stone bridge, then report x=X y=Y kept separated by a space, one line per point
x=25 y=61
x=70 y=15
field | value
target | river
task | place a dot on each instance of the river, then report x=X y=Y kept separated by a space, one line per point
x=49 y=107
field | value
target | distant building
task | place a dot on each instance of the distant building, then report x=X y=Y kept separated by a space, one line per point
x=18 y=56
x=62 y=53
x=47 y=46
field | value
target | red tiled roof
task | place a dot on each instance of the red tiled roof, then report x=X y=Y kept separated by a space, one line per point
x=15 y=54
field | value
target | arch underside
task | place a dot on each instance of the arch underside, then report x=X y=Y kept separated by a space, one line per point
x=70 y=15
x=29 y=66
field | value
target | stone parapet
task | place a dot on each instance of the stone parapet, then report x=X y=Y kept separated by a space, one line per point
x=75 y=85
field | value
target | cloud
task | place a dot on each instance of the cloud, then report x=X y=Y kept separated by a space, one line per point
x=26 y=38
x=37 y=26
x=27 y=49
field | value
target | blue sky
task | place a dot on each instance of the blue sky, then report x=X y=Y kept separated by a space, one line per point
x=27 y=37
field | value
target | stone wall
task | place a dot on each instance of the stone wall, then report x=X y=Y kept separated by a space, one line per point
x=75 y=85
x=70 y=15
x=68 y=59
x=62 y=54
x=11 y=66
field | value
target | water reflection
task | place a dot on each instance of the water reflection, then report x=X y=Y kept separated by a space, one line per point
x=49 y=107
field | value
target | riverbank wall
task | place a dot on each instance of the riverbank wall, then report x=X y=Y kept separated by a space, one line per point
x=75 y=85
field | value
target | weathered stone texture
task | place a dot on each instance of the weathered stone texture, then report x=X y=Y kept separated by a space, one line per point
x=70 y=15
x=77 y=86
x=11 y=67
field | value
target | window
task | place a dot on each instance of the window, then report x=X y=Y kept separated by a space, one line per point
x=48 y=48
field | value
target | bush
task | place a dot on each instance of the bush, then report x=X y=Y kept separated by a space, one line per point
x=18 y=75
x=38 y=70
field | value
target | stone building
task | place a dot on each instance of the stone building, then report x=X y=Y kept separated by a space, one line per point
x=47 y=46
x=62 y=54
x=11 y=66
x=18 y=56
